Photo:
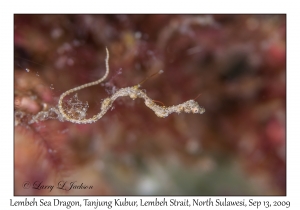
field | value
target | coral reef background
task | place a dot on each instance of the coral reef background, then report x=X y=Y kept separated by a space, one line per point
x=237 y=63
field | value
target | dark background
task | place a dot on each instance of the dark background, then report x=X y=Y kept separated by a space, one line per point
x=237 y=63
